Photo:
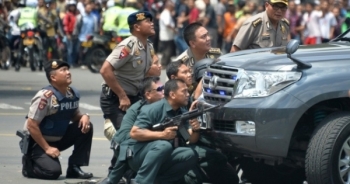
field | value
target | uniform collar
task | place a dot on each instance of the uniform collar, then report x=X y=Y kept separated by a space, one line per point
x=266 y=21
x=168 y=107
x=268 y=24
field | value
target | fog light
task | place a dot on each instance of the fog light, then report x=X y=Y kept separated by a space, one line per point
x=245 y=127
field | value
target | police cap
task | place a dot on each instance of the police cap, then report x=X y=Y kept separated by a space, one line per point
x=138 y=16
x=279 y=1
x=200 y=67
x=54 y=64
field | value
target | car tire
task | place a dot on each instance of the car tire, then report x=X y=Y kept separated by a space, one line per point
x=329 y=146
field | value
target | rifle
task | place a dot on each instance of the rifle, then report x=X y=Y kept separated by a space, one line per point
x=178 y=121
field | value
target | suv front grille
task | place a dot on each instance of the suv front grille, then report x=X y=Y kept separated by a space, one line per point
x=225 y=126
x=218 y=83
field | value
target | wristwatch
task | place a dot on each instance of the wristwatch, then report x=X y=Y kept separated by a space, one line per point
x=87 y=115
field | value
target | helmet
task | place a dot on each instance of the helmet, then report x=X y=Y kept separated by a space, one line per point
x=110 y=3
x=31 y=3
x=200 y=67
x=22 y=3
x=118 y=1
x=131 y=1
x=71 y=2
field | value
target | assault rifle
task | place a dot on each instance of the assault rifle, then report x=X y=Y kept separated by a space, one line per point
x=178 y=121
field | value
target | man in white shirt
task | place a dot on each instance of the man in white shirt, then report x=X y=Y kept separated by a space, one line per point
x=311 y=25
x=327 y=22
x=167 y=33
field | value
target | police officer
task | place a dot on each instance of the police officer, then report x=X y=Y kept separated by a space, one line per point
x=154 y=157
x=154 y=71
x=109 y=20
x=265 y=29
x=48 y=122
x=152 y=91
x=122 y=21
x=199 y=42
x=213 y=162
x=125 y=68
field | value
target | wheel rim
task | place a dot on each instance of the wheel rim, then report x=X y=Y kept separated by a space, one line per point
x=344 y=162
x=98 y=58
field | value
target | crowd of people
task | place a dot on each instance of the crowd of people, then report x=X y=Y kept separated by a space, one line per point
x=310 y=22
x=72 y=21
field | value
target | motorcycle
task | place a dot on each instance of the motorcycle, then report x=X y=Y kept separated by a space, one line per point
x=5 y=51
x=98 y=47
x=30 y=48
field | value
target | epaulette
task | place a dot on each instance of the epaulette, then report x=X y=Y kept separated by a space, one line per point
x=130 y=44
x=214 y=51
x=257 y=22
x=285 y=21
x=184 y=59
x=48 y=93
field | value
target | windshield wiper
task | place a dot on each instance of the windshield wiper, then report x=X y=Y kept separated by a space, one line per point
x=341 y=39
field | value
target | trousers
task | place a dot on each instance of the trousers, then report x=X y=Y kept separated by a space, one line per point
x=159 y=161
x=42 y=166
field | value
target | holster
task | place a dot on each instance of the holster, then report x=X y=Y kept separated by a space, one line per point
x=107 y=91
x=26 y=141
x=114 y=144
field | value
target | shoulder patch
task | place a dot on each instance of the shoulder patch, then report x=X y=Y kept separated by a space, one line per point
x=42 y=104
x=124 y=52
x=256 y=22
x=48 y=93
x=214 y=51
x=285 y=21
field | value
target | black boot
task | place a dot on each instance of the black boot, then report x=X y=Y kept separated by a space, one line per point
x=27 y=168
x=74 y=171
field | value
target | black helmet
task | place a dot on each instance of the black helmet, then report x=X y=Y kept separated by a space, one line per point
x=200 y=67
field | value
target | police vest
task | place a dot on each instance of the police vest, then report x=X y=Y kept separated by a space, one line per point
x=123 y=26
x=28 y=15
x=57 y=124
x=110 y=17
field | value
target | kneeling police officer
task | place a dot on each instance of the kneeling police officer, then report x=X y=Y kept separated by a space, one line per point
x=50 y=131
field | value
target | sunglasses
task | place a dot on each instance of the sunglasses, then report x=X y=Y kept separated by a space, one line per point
x=159 y=89
x=276 y=7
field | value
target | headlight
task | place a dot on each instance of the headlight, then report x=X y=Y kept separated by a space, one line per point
x=262 y=84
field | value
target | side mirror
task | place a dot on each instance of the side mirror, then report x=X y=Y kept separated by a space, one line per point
x=292 y=46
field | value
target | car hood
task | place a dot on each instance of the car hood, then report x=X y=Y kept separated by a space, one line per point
x=274 y=59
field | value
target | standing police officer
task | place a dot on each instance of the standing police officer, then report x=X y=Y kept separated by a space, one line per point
x=125 y=68
x=199 y=42
x=51 y=111
x=266 y=29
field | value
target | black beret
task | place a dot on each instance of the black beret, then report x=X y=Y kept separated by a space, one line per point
x=138 y=16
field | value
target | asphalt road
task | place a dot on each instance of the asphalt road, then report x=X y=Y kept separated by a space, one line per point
x=16 y=92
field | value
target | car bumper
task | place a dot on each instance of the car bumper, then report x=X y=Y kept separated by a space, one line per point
x=274 y=117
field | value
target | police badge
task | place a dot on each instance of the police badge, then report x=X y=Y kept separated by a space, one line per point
x=54 y=65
